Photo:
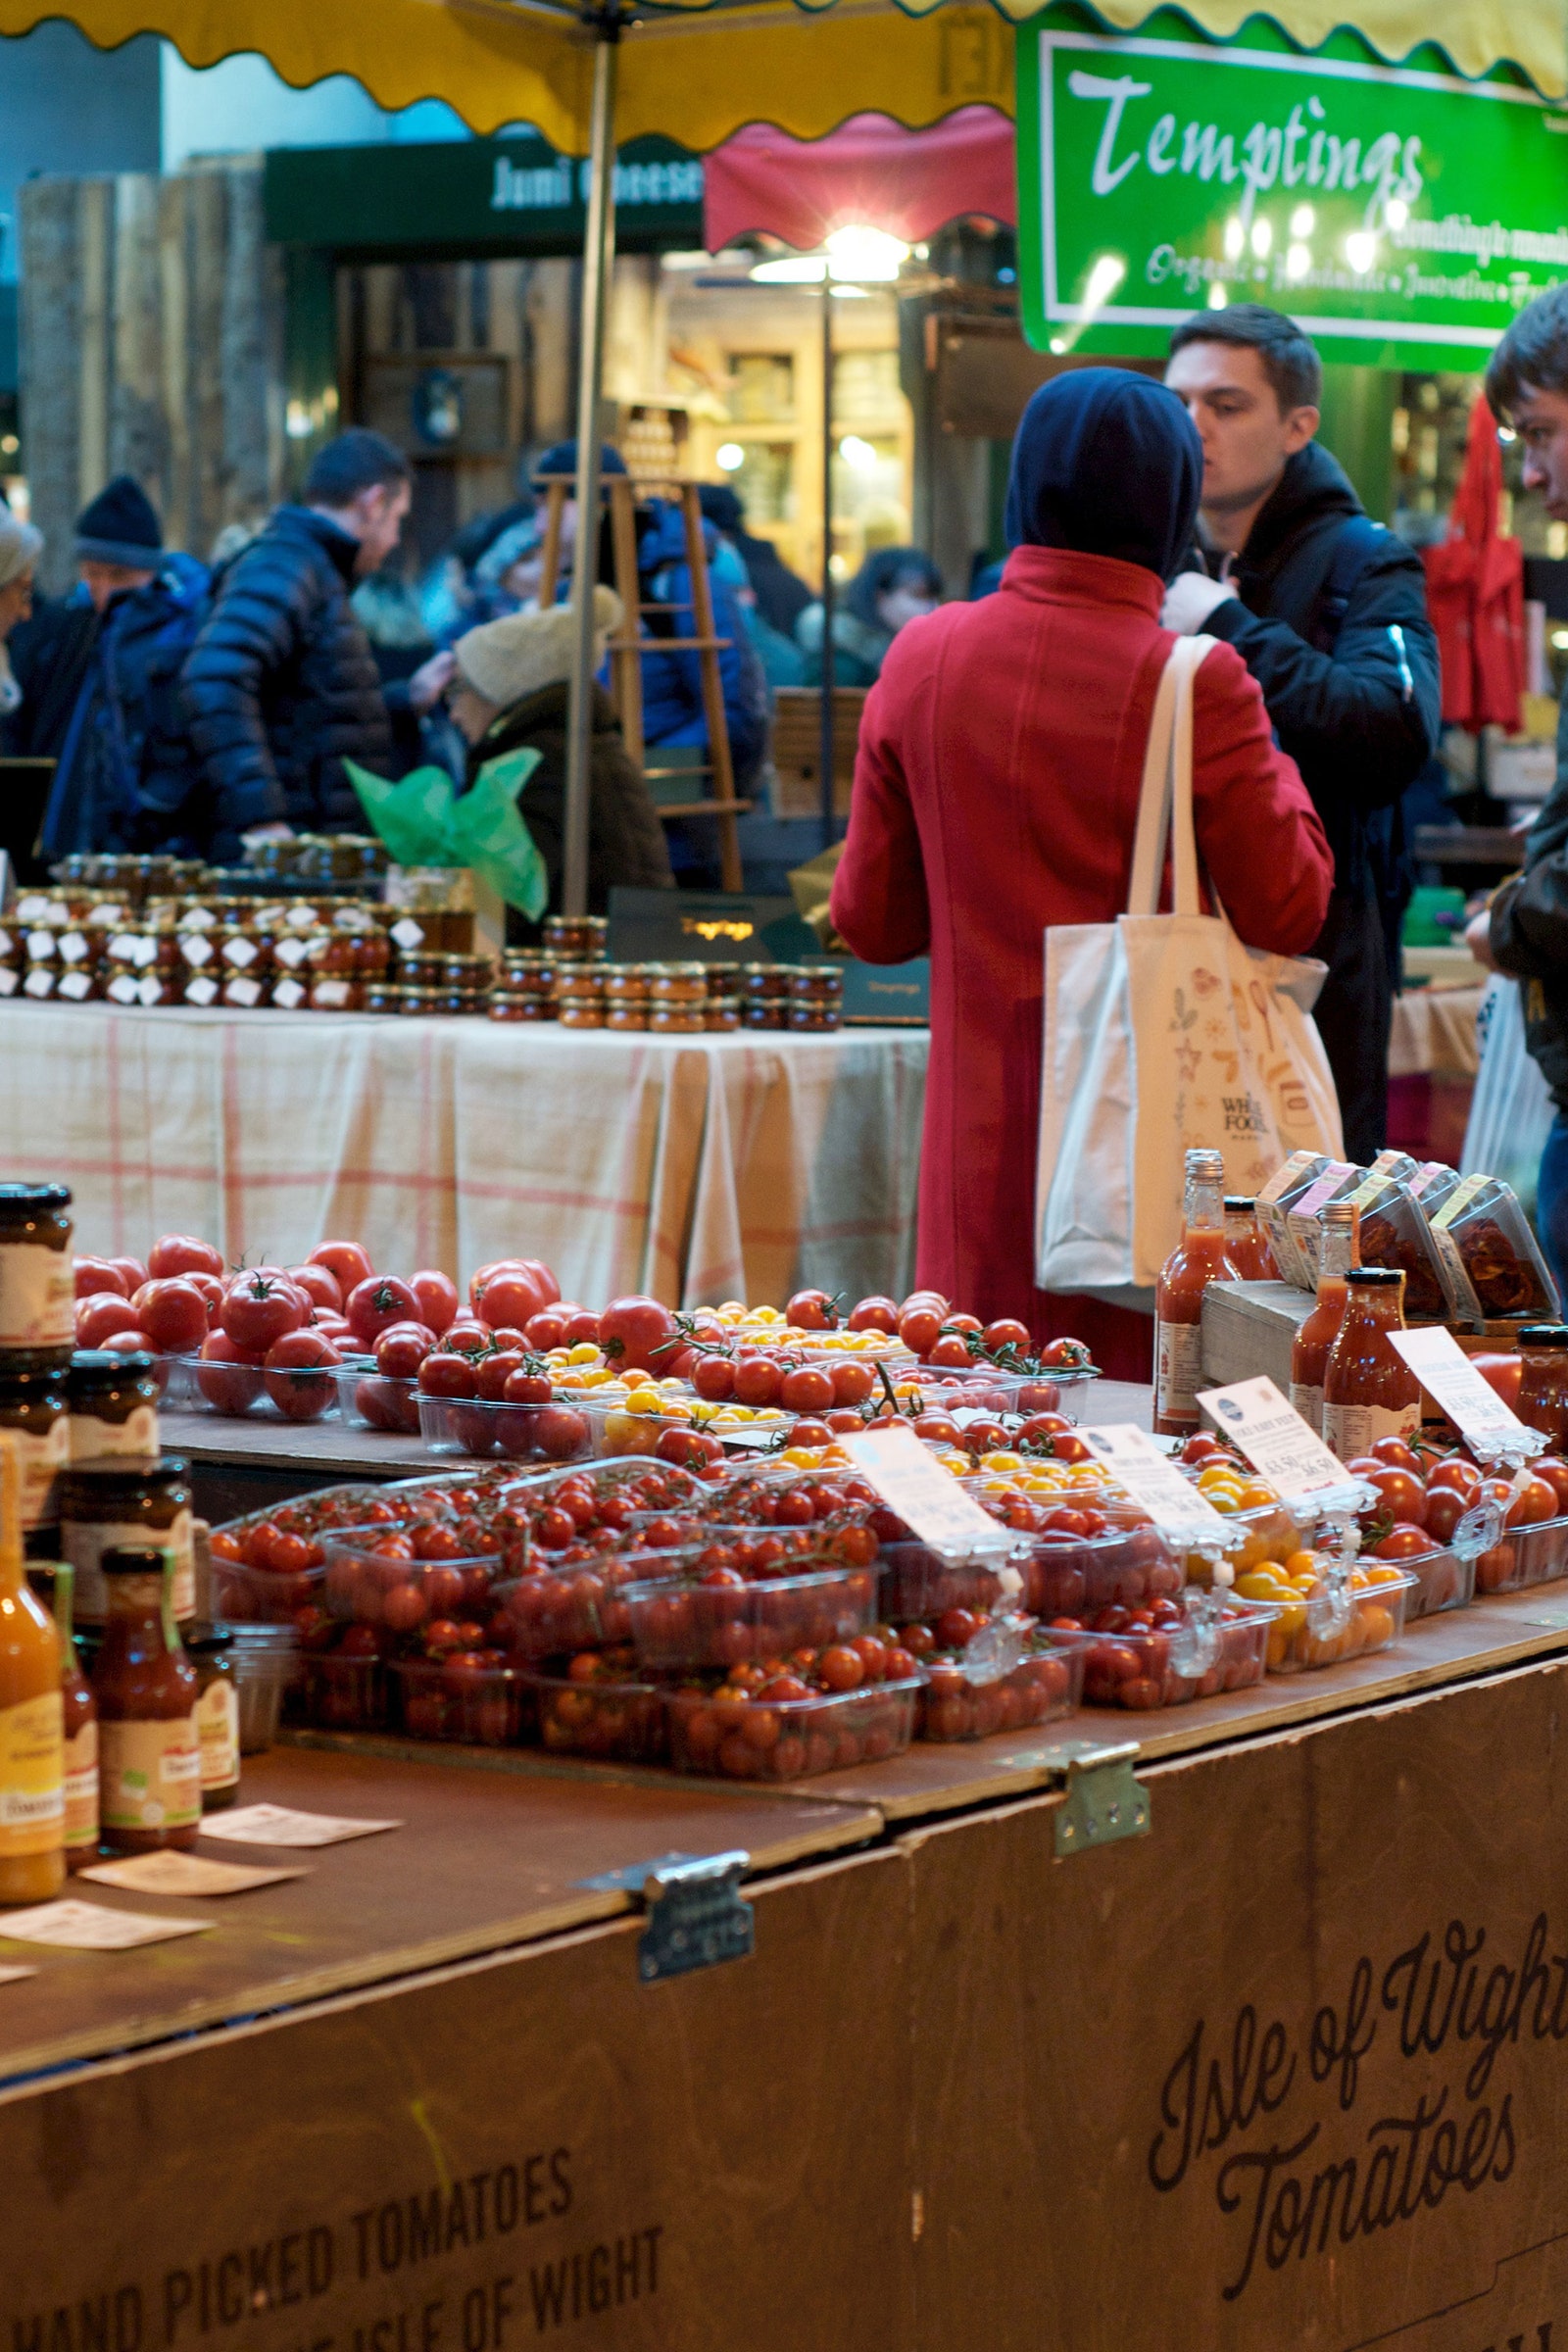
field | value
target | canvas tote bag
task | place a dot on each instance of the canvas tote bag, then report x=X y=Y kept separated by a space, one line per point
x=1165 y=1033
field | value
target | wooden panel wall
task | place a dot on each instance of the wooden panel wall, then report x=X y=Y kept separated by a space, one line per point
x=152 y=331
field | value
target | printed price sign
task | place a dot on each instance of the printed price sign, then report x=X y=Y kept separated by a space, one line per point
x=1274 y=1438
x=90 y=1928
x=1153 y=1481
x=280 y=1825
x=1471 y=1403
x=913 y=1483
x=184 y=1874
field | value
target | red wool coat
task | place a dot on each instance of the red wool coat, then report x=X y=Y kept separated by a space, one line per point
x=996 y=792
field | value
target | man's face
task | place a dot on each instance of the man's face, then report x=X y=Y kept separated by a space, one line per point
x=104 y=580
x=378 y=514
x=1246 y=437
x=1541 y=420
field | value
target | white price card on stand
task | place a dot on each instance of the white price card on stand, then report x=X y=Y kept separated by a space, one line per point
x=280 y=1825
x=928 y=1498
x=1471 y=1403
x=1267 y=1428
x=1153 y=1482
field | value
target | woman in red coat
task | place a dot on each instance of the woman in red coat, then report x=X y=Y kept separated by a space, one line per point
x=995 y=793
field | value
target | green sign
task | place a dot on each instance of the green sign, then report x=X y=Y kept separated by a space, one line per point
x=1403 y=218
x=455 y=197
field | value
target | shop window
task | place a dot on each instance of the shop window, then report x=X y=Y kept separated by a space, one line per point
x=765 y=479
x=761 y=387
x=866 y=387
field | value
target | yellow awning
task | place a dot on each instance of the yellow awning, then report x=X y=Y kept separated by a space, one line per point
x=697 y=73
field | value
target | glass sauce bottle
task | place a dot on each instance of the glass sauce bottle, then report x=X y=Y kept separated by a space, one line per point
x=1368 y=1391
x=53 y=1582
x=1245 y=1246
x=1543 y=1381
x=33 y=1802
x=1309 y=1350
x=1197 y=1259
x=146 y=1689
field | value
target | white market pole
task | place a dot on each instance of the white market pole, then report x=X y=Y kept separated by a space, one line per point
x=598 y=261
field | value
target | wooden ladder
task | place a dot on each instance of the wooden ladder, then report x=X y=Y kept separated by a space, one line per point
x=629 y=647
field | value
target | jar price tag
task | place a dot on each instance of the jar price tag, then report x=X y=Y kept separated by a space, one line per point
x=174 y=1872
x=912 y=1482
x=1274 y=1438
x=1153 y=1481
x=93 y=1927
x=280 y=1825
x=1471 y=1403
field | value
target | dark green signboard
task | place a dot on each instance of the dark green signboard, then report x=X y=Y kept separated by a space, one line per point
x=1403 y=216
x=513 y=194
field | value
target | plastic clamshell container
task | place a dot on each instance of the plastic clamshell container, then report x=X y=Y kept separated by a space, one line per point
x=561 y=1432
x=582 y=1607
x=679 y=1624
x=264 y=1661
x=1268 y=1531
x=919 y=1582
x=371 y=1400
x=982 y=1388
x=1126 y=1567
x=1047 y=1683
x=1523 y=1556
x=481 y=1704
x=367 y=1587
x=338 y=1693
x=618 y=1722
x=192 y=1384
x=790 y=1740
x=263 y=1596
x=1143 y=1671
x=1375 y=1621
x=1443 y=1580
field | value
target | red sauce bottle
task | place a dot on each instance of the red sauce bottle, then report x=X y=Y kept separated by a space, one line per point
x=1368 y=1391
x=146 y=1688
x=1197 y=1259
x=1309 y=1352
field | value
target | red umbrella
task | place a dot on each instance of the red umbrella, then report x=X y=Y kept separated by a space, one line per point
x=870 y=171
x=1475 y=592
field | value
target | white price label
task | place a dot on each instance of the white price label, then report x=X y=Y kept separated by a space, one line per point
x=1274 y=1438
x=913 y=1483
x=91 y=1928
x=172 y=1873
x=1472 y=1403
x=280 y=1825
x=1154 y=1482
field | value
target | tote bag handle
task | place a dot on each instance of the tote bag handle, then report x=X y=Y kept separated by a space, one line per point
x=1165 y=797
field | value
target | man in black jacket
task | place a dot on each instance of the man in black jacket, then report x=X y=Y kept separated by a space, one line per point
x=281 y=686
x=1328 y=610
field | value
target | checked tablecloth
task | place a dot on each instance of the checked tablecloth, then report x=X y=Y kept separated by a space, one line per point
x=696 y=1168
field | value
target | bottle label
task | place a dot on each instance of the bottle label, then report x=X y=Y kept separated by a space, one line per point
x=137 y=1437
x=218 y=1732
x=41 y=1455
x=81 y=1788
x=1178 y=1370
x=33 y=1796
x=37 y=1295
x=85 y=1543
x=1308 y=1402
x=152 y=1774
x=1348 y=1429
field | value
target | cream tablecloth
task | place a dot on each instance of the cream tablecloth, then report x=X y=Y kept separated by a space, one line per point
x=697 y=1168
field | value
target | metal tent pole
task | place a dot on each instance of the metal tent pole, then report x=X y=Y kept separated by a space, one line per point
x=598 y=261
x=826 y=749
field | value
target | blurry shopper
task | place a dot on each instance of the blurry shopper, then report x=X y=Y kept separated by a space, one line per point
x=892 y=588
x=1524 y=931
x=1327 y=610
x=20 y=545
x=127 y=780
x=783 y=664
x=282 y=685
x=510 y=693
x=995 y=793
x=781 y=595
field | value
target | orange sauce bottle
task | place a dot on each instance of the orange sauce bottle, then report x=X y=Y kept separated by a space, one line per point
x=1543 y=1380
x=1368 y=1391
x=32 y=1801
x=1309 y=1352
x=1197 y=1259
x=1246 y=1245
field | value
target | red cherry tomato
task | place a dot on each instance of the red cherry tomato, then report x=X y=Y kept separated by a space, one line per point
x=1201 y=1448
x=448 y=1375
x=853 y=1383
x=874 y=1314
x=939 y=1429
x=1535 y=1503
x=634 y=1333
x=1502 y=1373
x=496 y=1370
x=173 y=1314
x=1071 y=1354
x=1456 y=1473
x=526 y=1387
x=1555 y=1474
x=1445 y=1507
x=97 y=1277
x=228 y=1378
x=376 y=1304
x=581 y=1325
x=105 y=1312
x=806 y=1389
x=714 y=1378
x=961 y=1323
x=347 y=1261
x=436 y=1296
x=1007 y=1332
x=1396 y=1454
x=811 y=1433
x=298 y=1374
x=182 y=1253
x=1403 y=1496
x=511 y=1296
x=402 y=1348
x=258 y=1308
x=547 y=1329
x=841 y=1668
x=756 y=1380
x=920 y=1328
x=1404 y=1543
x=320 y=1285
x=949 y=1351
x=813 y=1310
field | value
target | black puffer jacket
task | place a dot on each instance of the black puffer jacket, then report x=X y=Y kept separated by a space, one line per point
x=1529 y=930
x=281 y=686
x=626 y=842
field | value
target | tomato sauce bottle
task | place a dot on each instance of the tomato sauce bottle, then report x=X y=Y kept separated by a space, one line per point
x=146 y=1688
x=1543 y=1380
x=1197 y=1259
x=32 y=1801
x=1245 y=1244
x=53 y=1582
x=1309 y=1352
x=1368 y=1391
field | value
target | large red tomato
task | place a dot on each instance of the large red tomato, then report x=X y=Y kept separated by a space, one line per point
x=633 y=1331
x=1402 y=1495
x=349 y=1261
x=182 y=1253
x=228 y=1378
x=298 y=1374
x=402 y=1348
x=320 y=1285
x=104 y=1313
x=173 y=1313
x=437 y=1297
x=1502 y=1372
x=132 y=1273
x=96 y=1275
x=258 y=1307
x=377 y=1303
x=509 y=1298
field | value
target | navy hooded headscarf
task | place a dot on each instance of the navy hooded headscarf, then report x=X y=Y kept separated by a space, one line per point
x=1107 y=462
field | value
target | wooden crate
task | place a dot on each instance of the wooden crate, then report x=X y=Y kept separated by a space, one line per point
x=797 y=748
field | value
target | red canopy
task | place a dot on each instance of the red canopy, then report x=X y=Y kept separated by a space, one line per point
x=871 y=173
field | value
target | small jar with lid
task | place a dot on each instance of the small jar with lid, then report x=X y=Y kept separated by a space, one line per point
x=815 y=1017
x=626 y=983
x=573 y=937
x=678 y=1019
x=211 y=1651
x=421 y=968
x=291 y=948
x=817 y=983
x=721 y=1013
x=526 y=973
x=723 y=979
x=51 y=1582
x=379 y=995
x=150 y=1766
x=37 y=1273
x=121 y=1501
x=764 y=1012
x=765 y=983
x=112 y=1399
x=678 y=984
x=420 y=1004
x=581 y=1011
x=629 y=1014
x=507 y=1004
x=471 y=975
x=35 y=1408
